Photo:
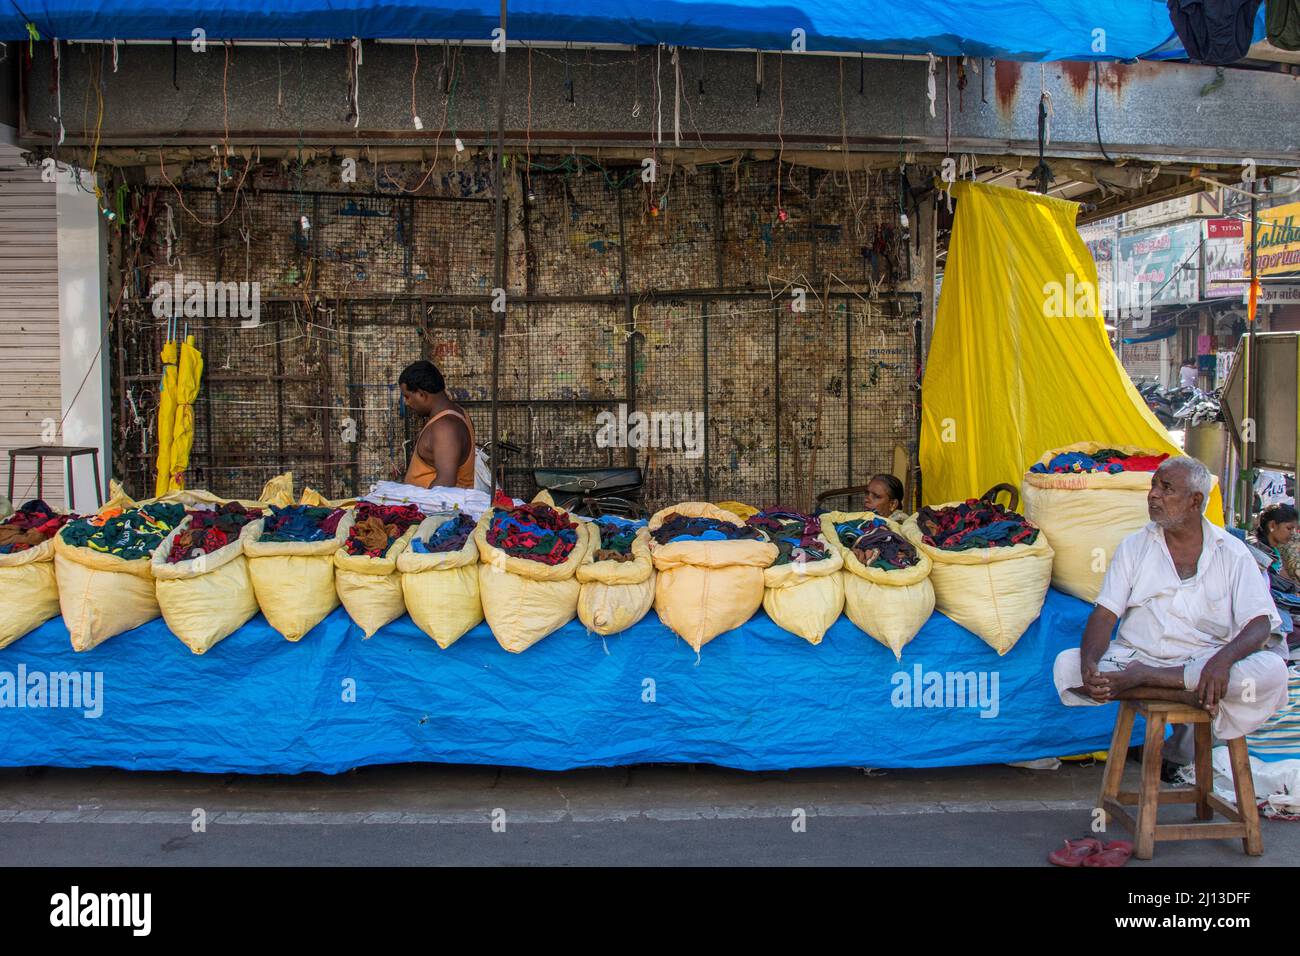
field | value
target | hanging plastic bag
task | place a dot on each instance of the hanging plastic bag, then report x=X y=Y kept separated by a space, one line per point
x=525 y=600
x=889 y=605
x=294 y=580
x=804 y=597
x=1086 y=515
x=703 y=587
x=207 y=598
x=369 y=586
x=102 y=594
x=441 y=588
x=616 y=594
x=995 y=593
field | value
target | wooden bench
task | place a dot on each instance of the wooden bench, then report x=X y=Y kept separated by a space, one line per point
x=1243 y=821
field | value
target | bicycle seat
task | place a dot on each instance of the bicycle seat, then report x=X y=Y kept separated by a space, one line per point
x=580 y=480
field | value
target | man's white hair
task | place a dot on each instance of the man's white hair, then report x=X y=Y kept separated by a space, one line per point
x=1198 y=476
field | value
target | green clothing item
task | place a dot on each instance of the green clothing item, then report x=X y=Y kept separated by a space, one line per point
x=132 y=535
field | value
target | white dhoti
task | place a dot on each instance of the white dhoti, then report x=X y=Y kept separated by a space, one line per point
x=1257 y=684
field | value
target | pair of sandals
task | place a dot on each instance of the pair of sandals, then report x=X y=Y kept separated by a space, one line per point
x=1090 y=852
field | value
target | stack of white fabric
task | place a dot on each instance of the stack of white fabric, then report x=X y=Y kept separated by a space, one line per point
x=430 y=500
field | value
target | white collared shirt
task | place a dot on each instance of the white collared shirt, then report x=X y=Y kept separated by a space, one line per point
x=1169 y=620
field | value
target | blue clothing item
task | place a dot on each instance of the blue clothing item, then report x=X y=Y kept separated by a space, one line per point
x=451 y=535
x=1072 y=462
x=702 y=536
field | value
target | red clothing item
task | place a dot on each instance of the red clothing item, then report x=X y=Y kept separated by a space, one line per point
x=1143 y=462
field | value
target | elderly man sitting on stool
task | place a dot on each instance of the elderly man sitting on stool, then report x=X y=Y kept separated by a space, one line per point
x=1194 y=615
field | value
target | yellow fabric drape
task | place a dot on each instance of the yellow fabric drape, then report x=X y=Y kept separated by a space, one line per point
x=189 y=373
x=1020 y=362
x=166 y=418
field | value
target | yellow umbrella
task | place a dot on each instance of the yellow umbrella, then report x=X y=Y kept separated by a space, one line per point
x=190 y=372
x=166 y=418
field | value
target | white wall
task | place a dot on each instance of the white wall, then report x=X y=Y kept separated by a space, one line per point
x=83 y=347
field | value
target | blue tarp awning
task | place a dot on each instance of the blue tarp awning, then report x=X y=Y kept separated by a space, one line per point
x=1031 y=30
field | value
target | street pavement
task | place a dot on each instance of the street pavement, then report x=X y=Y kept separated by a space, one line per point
x=425 y=815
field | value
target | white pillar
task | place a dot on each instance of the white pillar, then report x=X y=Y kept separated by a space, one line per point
x=83 y=346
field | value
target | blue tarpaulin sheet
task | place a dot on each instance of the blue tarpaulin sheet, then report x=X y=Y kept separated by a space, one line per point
x=1029 y=30
x=756 y=698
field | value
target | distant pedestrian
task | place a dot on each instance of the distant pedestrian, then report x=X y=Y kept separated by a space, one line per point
x=1187 y=374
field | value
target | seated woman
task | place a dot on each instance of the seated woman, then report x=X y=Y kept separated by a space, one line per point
x=1277 y=524
x=1273 y=534
x=885 y=497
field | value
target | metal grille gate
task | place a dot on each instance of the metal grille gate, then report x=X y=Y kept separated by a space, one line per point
x=659 y=301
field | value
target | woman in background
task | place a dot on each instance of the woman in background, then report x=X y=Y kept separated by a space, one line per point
x=885 y=497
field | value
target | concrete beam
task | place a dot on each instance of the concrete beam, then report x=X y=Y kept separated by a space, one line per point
x=287 y=95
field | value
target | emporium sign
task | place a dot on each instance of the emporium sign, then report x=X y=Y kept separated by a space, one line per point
x=1278 y=249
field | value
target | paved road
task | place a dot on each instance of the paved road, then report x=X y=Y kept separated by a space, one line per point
x=999 y=838
x=428 y=815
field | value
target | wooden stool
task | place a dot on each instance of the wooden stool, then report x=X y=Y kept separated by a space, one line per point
x=1244 y=820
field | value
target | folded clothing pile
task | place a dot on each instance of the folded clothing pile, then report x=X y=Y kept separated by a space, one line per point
x=679 y=527
x=431 y=501
x=1109 y=460
x=536 y=532
x=875 y=545
x=974 y=524
x=616 y=536
x=451 y=535
x=32 y=524
x=796 y=535
x=298 y=523
x=210 y=530
x=130 y=535
x=378 y=526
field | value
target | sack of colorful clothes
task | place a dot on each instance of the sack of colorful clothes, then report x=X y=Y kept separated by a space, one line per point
x=365 y=565
x=710 y=566
x=803 y=591
x=201 y=575
x=102 y=565
x=290 y=556
x=1087 y=498
x=31 y=595
x=887 y=589
x=617 y=576
x=528 y=559
x=439 y=574
x=991 y=567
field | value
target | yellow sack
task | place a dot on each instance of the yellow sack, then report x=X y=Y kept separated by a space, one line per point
x=205 y=599
x=371 y=588
x=525 y=600
x=706 y=587
x=310 y=496
x=101 y=595
x=616 y=594
x=31 y=596
x=805 y=599
x=294 y=580
x=738 y=508
x=441 y=590
x=995 y=593
x=891 y=606
x=1086 y=516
